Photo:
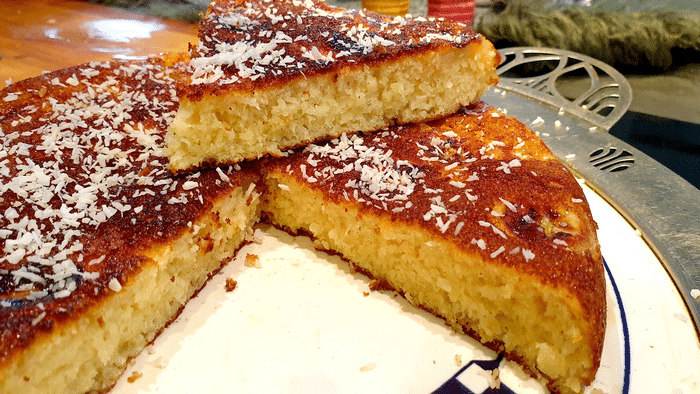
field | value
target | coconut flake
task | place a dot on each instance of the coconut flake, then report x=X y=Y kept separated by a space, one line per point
x=114 y=285
x=497 y=252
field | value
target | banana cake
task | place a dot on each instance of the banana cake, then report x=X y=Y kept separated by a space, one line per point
x=267 y=76
x=102 y=245
x=470 y=217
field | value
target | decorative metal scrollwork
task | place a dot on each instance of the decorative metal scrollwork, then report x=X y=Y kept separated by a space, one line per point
x=611 y=159
x=602 y=103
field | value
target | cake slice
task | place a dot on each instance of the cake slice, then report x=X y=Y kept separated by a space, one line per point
x=267 y=76
x=101 y=245
x=470 y=217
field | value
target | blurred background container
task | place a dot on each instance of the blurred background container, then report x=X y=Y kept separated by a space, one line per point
x=456 y=10
x=387 y=7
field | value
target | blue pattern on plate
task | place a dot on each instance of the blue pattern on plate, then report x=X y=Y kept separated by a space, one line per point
x=469 y=386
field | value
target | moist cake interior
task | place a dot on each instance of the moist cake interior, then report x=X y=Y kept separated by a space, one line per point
x=470 y=217
x=261 y=81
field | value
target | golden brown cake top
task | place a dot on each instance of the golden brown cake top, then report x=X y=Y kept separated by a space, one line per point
x=478 y=179
x=251 y=44
x=84 y=188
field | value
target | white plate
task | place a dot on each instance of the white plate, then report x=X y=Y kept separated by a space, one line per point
x=304 y=323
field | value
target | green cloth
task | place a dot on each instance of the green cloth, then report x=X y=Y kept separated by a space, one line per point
x=642 y=42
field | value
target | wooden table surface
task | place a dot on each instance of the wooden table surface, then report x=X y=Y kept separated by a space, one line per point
x=45 y=35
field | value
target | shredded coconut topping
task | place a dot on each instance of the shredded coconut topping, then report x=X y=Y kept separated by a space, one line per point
x=74 y=159
x=433 y=176
x=252 y=40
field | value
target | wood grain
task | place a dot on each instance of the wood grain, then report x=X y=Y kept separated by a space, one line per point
x=46 y=35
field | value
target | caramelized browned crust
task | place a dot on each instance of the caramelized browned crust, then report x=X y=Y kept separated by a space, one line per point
x=248 y=45
x=84 y=189
x=479 y=180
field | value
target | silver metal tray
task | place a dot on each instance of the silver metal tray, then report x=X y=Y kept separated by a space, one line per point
x=662 y=205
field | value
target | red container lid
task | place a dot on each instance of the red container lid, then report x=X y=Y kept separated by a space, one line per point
x=456 y=10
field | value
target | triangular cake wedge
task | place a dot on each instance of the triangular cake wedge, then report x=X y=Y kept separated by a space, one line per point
x=267 y=76
x=102 y=245
x=470 y=217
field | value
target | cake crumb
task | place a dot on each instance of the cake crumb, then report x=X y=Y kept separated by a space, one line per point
x=495 y=381
x=257 y=236
x=368 y=367
x=230 y=285
x=160 y=363
x=365 y=293
x=252 y=260
x=680 y=317
x=379 y=285
x=458 y=360
x=134 y=377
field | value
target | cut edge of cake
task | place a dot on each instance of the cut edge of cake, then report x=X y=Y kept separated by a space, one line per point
x=93 y=350
x=373 y=263
x=475 y=298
